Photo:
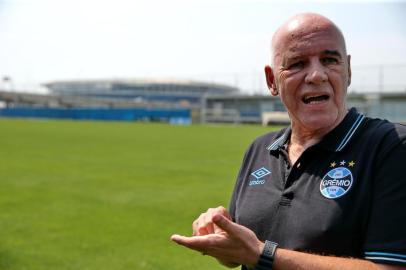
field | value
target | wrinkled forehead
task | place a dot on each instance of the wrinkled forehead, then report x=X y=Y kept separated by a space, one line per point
x=307 y=37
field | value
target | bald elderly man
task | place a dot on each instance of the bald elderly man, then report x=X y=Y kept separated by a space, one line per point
x=329 y=191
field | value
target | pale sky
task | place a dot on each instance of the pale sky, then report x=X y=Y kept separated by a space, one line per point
x=224 y=41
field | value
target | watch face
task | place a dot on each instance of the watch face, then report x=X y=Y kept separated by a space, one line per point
x=270 y=248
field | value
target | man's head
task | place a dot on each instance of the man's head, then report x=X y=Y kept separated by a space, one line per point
x=310 y=71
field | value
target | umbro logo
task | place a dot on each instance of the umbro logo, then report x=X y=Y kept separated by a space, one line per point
x=259 y=175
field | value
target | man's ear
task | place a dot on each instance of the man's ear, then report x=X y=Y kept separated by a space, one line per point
x=270 y=80
x=349 y=69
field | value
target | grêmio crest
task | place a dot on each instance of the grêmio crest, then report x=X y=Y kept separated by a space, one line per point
x=338 y=180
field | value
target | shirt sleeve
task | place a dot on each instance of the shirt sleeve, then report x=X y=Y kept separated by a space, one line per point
x=385 y=239
x=234 y=196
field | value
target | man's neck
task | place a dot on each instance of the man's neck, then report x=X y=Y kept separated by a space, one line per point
x=302 y=138
x=299 y=142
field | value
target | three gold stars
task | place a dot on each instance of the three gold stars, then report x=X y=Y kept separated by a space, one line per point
x=342 y=163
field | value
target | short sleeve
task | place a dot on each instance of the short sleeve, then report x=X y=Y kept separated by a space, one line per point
x=234 y=195
x=385 y=239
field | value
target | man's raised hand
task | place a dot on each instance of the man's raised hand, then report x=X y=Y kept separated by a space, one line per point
x=216 y=235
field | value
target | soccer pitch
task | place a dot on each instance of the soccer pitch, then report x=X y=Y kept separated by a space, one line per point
x=108 y=195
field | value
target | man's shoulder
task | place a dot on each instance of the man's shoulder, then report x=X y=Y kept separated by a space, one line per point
x=384 y=128
x=383 y=133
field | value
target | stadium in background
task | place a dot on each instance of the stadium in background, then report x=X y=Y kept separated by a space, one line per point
x=173 y=101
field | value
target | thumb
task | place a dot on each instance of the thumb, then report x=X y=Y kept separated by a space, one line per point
x=226 y=224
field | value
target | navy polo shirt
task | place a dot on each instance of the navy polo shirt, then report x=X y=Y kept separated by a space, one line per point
x=344 y=196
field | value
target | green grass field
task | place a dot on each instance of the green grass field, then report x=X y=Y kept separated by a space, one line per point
x=98 y=195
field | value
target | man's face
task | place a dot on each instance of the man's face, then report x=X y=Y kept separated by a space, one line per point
x=311 y=74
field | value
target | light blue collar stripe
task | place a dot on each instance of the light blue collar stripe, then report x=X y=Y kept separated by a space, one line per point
x=272 y=146
x=386 y=254
x=385 y=259
x=350 y=132
x=274 y=143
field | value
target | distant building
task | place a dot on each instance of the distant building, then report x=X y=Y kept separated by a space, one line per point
x=174 y=91
x=159 y=100
x=269 y=109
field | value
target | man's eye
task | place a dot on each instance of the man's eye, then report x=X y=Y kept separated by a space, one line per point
x=329 y=60
x=296 y=65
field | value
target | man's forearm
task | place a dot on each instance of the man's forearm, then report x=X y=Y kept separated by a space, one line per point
x=294 y=260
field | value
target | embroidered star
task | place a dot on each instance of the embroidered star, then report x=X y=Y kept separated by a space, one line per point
x=342 y=163
x=351 y=163
x=333 y=164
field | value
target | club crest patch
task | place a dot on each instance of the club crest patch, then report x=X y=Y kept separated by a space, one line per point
x=336 y=183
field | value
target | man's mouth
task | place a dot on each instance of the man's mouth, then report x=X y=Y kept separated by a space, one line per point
x=315 y=99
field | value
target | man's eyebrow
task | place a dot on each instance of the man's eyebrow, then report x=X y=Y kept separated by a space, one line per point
x=333 y=53
x=290 y=58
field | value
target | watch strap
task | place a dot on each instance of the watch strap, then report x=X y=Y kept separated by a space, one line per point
x=266 y=259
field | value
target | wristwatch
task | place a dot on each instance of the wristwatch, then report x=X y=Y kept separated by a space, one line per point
x=266 y=258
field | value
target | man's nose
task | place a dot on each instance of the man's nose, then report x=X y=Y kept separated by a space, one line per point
x=316 y=73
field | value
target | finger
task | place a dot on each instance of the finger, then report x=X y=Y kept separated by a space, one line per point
x=198 y=243
x=202 y=231
x=226 y=225
x=203 y=227
x=199 y=226
x=217 y=229
x=207 y=221
x=222 y=211
x=195 y=227
x=210 y=227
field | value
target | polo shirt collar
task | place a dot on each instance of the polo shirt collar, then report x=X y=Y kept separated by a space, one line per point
x=335 y=140
x=281 y=140
x=342 y=134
